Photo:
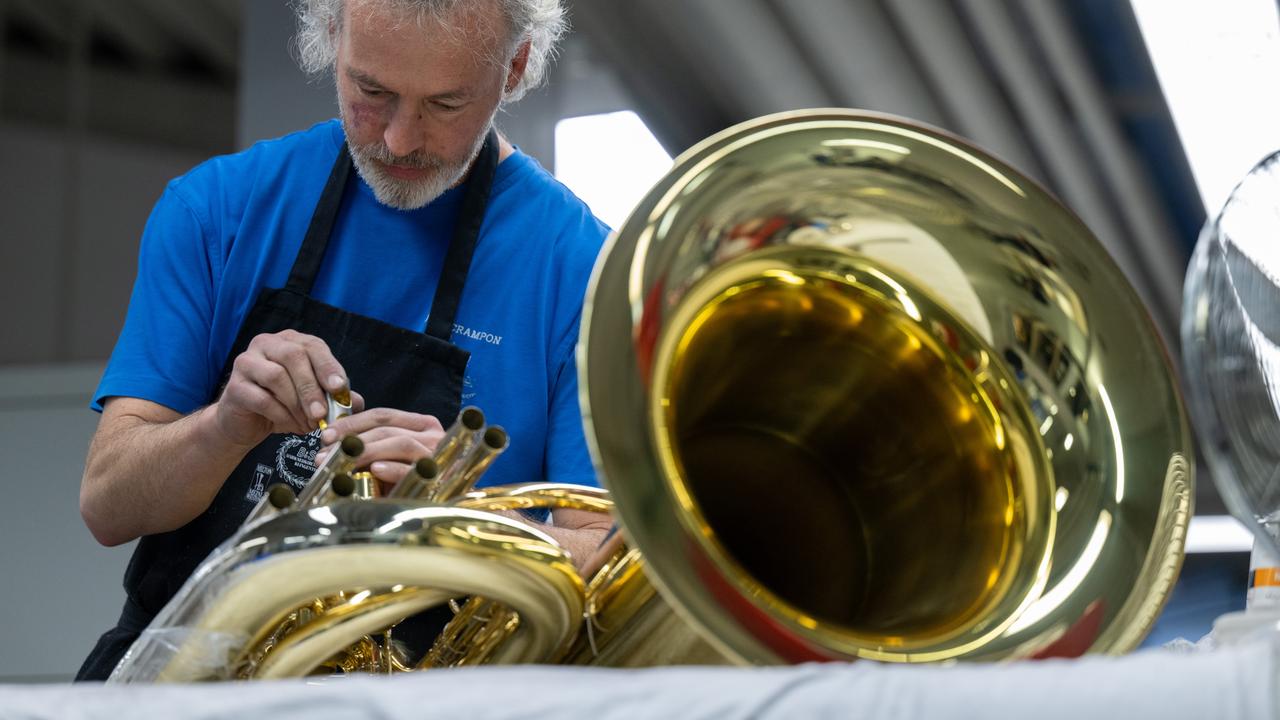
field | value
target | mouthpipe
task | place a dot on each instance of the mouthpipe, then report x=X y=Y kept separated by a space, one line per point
x=278 y=498
x=341 y=460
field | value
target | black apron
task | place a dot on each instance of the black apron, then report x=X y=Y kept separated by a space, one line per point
x=389 y=365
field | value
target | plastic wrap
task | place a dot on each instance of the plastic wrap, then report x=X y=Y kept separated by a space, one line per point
x=415 y=555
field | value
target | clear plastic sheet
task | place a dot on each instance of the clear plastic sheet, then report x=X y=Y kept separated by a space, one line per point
x=203 y=652
x=271 y=568
x=176 y=631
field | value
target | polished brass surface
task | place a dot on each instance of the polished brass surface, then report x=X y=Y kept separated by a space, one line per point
x=373 y=562
x=364 y=485
x=278 y=497
x=460 y=438
x=476 y=631
x=308 y=588
x=338 y=406
x=481 y=626
x=341 y=460
x=417 y=482
x=887 y=417
x=467 y=466
x=848 y=348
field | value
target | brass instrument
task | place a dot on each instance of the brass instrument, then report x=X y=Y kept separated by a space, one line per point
x=857 y=389
x=837 y=345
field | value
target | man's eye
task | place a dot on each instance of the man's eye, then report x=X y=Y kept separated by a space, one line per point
x=373 y=92
x=446 y=107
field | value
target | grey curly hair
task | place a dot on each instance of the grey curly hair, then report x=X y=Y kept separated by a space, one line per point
x=540 y=22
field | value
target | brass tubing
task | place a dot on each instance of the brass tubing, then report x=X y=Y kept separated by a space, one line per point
x=341 y=486
x=495 y=442
x=462 y=475
x=365 y=485
x=478 y=628
x=278 y=497
x=341 y=460
x=417 y=482
x=460 y=438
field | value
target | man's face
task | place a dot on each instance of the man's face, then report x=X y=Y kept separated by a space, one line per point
x=416 y=100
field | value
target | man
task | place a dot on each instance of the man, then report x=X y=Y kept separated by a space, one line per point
x=448 y=267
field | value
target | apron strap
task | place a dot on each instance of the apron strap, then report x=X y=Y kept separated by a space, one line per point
x=466 y=235
x=307 y=265
x=457 y=261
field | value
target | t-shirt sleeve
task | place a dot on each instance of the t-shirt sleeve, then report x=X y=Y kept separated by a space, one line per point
x=567 y=458
x=162 y=354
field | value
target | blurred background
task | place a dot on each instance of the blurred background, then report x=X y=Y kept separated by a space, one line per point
x=1140 y=114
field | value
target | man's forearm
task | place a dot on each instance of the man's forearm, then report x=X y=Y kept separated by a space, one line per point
x=580 y=533
x=145 y=476
x=580 y=542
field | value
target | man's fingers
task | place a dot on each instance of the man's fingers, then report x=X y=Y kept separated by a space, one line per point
x=294 y=356
x=403 y=448
x=298 y=369
x=328 y=371
x=273 y=378
x=389 y=472
x=362 y=422
x=260 y=402
x=385 y=432
x=386 y=443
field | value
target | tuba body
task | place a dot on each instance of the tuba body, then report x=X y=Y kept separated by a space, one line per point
x=856 y=389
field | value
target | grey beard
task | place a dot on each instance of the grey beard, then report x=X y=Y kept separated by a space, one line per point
x=409 y=194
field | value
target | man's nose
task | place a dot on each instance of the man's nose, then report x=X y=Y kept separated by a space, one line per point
x=404 y=133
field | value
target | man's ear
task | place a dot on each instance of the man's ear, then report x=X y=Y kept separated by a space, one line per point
x=516 y=70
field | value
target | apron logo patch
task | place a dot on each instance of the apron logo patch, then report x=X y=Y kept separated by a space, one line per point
x=261 y=478
x=296 y=458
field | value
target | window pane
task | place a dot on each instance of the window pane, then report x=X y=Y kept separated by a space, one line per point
x=609 y=161
x=1218 y=64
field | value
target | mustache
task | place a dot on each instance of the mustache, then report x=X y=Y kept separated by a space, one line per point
x=417 y=160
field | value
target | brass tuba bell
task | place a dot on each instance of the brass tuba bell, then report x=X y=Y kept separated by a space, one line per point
x=857 y=390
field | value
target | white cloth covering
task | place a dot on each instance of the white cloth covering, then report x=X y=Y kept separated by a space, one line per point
x=1225 y=684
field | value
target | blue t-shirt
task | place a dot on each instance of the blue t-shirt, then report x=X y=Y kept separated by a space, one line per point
x=233 y=226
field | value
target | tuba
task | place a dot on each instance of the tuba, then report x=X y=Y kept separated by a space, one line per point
x=856 y=388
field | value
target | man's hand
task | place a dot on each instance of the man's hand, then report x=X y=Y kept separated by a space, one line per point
x=151 y=469
x=277 y=385
x=393 y=440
